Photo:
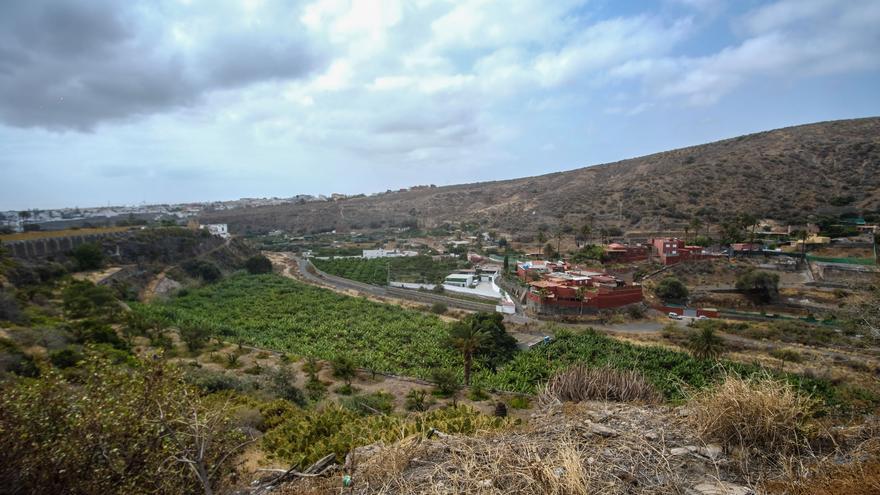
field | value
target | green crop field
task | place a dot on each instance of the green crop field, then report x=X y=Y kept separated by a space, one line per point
x=278 y=313
x=672 y=372
x=416 y=269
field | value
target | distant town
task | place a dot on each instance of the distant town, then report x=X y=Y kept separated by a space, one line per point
x=51 y=219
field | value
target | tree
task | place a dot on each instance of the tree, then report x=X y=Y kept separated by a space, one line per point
x=195 y=336
x=83 y=298
x=671 y=289
x=446 y=382
x=705 y=344
x=499 y=347
x=548 y=251
x=88 y=256
x=542 y=238
x=205 y=270
x=467 y=339
x=344 y=369
x=506 y=264
x=417 y=400
x=762 y=287
x=127 y=424
x=586 y=233
x=282 y=383
x=258 y=264
x=23 y=216
x=695 y=226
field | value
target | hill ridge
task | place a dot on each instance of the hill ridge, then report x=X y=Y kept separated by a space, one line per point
x=784 y=173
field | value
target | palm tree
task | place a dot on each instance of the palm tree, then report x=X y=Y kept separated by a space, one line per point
x=467 y=339
x=586 y=233
x=706 y=345
x=695 y=226
x=580 y=295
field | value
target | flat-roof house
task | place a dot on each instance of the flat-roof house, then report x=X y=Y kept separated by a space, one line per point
x=671 y=250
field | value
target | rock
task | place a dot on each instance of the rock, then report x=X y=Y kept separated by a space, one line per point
x=651 y=436
x=602 y=430
x=711 y=451
x=721 y=488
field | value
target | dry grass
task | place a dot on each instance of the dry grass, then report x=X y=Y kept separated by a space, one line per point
x=46 y=234
x=852 y=468
x=759 y=413
x=580 y=383
x=556 y=454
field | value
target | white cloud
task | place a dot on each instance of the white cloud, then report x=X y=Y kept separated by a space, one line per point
x=787 y=40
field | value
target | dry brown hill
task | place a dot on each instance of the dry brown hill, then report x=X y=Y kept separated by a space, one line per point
x=785 y=174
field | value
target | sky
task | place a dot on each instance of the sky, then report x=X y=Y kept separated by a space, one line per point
x=166 y=101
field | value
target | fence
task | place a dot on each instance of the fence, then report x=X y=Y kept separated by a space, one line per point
x=845 y=261
x=412 y=295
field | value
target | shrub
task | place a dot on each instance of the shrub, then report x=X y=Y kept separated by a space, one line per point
x=580 y=383
x=519 y=402
x=83 y=298
x=10 y=310
x=65 y=358
x=205 y=270
x=258 y=264
x=417 y=399
x=282 y=383
x=438 y=308
x=344 y=369
x=704 y=344
x=232 y=361
x=315 y=388
x=477 y=393
x=138 y=422
x=446 y=381
x=671 y=289
x=789 y=355
x=762 y=287
x=759 y=412
x=307 y=435
x=375 y=403
x=195 y=336
x=88 y=256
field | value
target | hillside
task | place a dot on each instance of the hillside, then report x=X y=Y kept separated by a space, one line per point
x=785 y=174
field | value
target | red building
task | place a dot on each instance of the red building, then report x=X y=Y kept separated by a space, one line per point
x=535 y=270
x=673 y=250
x=621 y=253
x=746 y=246
x=580 y=292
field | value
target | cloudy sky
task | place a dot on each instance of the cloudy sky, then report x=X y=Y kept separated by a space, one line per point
x=122 y=102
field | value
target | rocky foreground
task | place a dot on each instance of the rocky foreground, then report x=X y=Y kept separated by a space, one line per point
x=589 y=447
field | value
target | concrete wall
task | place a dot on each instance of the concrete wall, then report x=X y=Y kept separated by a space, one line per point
x=43 y=248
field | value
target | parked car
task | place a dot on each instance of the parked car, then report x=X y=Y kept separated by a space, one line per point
x=702 y=317
x=674 y=316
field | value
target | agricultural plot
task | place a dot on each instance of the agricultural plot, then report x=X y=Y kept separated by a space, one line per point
x=278 y=313
x=672 y=372
x=416 y=269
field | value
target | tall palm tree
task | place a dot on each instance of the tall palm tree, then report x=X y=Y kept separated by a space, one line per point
x=467 y=339
x=586 y=233
x=706 y=345
x=695 y=226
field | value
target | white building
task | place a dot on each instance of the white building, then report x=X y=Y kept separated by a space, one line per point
x=218 y=229
x=370 y=254
x=459 y=280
